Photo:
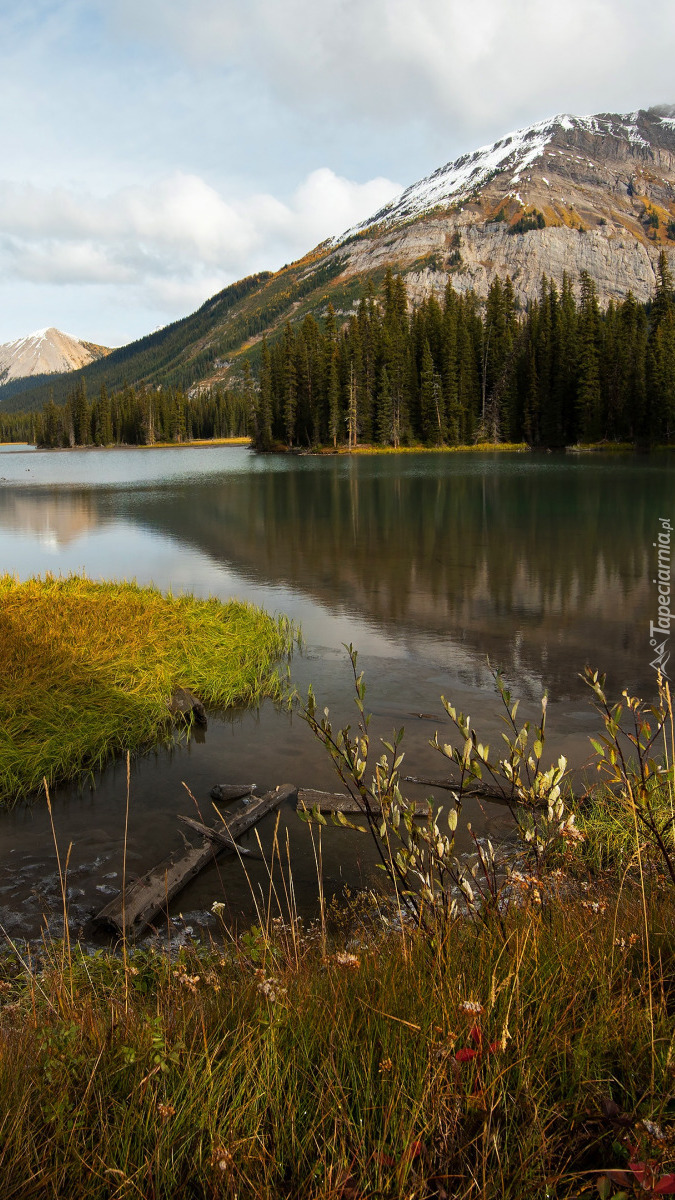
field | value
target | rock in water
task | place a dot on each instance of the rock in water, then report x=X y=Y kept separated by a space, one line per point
x=185 y=704
x=231 y=791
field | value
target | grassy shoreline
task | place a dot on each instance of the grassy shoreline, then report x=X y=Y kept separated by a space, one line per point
x=87 y=670
x=522 y=1048
x=479 y=447
x=365 y=1063
x=196 y=442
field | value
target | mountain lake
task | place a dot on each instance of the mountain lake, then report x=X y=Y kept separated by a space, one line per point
x=431 y=564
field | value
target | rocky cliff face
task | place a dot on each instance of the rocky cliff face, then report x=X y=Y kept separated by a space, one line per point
x=46 y=352
x=593 y=194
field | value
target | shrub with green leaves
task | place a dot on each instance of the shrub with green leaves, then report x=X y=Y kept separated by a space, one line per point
x=419 y=858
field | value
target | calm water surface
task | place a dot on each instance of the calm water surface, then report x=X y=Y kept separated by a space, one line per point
x=430 y=564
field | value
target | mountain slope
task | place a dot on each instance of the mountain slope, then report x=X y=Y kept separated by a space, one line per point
x=572 y=194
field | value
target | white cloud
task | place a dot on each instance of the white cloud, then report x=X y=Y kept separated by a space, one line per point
x=161 y=139
x=179 y=239
x=437 y=60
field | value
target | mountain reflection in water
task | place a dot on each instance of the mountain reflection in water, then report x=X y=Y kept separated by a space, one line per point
x=540 y=563
x=429 y=563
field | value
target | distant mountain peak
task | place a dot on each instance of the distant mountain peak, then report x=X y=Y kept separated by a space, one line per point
x=45 y=352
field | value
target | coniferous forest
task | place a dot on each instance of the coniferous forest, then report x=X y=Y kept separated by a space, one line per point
x=455 y=372
x=460 y=372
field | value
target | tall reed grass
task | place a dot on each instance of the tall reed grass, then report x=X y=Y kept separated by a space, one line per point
x=87 y=670
x=286 y=1064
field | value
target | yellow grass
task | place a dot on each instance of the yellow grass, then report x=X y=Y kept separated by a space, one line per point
x=479 y=446
x=87 y=669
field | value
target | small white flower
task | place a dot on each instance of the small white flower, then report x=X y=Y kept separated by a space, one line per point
x=653 y=1129
x=271 y=989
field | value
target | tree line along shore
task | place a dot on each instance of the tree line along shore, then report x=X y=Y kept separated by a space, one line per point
x=444 y=373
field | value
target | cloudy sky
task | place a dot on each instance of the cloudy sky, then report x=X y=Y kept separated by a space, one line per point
x=152 y=151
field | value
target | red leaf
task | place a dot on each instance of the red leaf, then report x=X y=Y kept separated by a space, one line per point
x=665 y=1186
x=639 y=1170
x=463 y=1056
x=476 y=1035
x=414 y=1150
x=494 y=1047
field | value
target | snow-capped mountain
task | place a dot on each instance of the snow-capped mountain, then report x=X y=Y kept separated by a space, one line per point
x=513 y=155
x=45 y=352
x=519 y=206
x=562 y=197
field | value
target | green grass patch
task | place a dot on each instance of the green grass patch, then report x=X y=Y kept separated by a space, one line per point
x=215 y=441
x=87 y=670
x=606 y=820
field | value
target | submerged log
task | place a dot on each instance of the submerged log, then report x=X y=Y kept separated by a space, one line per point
x=231 y=791
x=476 y=791
x=482 y=791
x=186 y=705
x=333 y=802
x=216 y=835
x=130 y=912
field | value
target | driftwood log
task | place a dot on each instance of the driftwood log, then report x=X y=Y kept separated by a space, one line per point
x=216 y=835
x=478 y=791
x=475 y=791
x=334 y=802
x=140 y=903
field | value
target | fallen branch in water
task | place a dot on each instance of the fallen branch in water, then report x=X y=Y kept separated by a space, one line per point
x=130 y=912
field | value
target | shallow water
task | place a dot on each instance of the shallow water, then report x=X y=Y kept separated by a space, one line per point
x=428 y=563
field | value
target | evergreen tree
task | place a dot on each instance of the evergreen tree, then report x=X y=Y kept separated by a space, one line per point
x=264 y=421
x=385 y=411
x=333 y=398
x=51 y=428
x=80 y=415
x=589 y=391
x=531 y=405
x=449 y=372
x=102 y=419
x=290 y=394
x=660 y=415
x=431 y=400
